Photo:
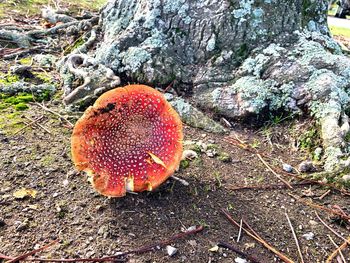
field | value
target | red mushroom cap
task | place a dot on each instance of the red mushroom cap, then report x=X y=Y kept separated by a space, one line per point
x=129 y=140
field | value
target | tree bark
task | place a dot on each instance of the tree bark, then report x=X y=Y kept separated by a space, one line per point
x=232 y=58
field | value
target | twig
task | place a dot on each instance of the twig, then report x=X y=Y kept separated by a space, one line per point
x=2 y=256
x=236 y=250
x=272 y=171
x=162 y=243
x=169 y=87
x=241 y=144
x=320 y=207
x=268 y=186
x=115 y=258
x=254 y=235
x=240 y=230
x=295 y=238
x=338 y=250
x=324 y=195
x=38 y=124
x=24 y=256
x=180 y=180
x=55 y=113
x=340 y=253
x=28 y=125
x=24 y=52
x=332 y=230
x=104 y=259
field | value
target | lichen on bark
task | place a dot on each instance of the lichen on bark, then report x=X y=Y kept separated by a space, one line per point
x=234 y=58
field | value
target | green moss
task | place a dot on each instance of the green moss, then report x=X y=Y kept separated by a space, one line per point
x=8 y=78
x=75 y=45
x=195 y=148
x=184 y=164
x=212 y=146
x=10 y=121
x=224 y=157
x=309 y=140
x=21 y=106
x=20 y=101
x=20 y=98
x=43 y=77
x=26 y=61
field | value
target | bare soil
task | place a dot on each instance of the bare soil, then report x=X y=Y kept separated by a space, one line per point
x=90 y=225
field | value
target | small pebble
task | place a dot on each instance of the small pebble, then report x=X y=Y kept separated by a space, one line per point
x=240 y=260
x=171 y=250
x=189 y=155
x=211 y=153
x=288 y=168
x=309 y=236
x=191 y=228
x=306 y=167
x=65 y=182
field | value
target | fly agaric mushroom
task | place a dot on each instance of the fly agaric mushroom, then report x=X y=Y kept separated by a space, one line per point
x=129 y=140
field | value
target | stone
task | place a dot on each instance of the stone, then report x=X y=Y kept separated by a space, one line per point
x=287 y=167
x=171 y=251
x=306 y=167
x=211 y=153
x=189 y=155
x=309 y=236
x=240 y=260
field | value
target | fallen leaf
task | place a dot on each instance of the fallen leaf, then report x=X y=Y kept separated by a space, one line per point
x=156 y=159
x=25 y=192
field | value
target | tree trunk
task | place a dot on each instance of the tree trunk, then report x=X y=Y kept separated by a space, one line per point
x=232 y=58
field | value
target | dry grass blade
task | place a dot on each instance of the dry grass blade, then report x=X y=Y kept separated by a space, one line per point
x=338 y=250
x=268 y=186
x=240 y=230
x=244 y=146
x=236 y=250
x=116 y=258
x=272 y=171
x=2 y=256
x=320 y=207
x=295 y=238
x=55 y=113
x=38 y=124
x=254 y=235
x=332 y=230
x=24 y=256
x=28 y=125
x=340 y=253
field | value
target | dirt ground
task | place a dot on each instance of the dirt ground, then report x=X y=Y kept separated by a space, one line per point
x=89 y=225
x=64 y=206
